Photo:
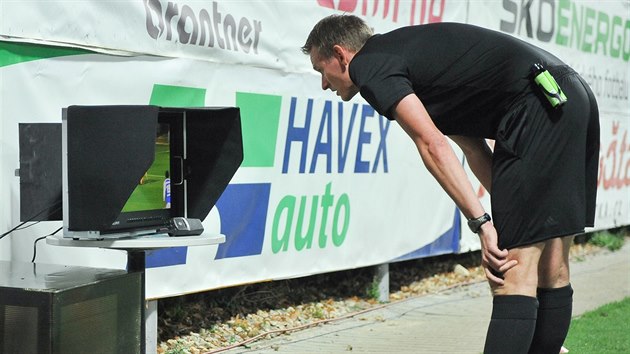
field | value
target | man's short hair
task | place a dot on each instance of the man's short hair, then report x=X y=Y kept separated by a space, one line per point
x=348 y=31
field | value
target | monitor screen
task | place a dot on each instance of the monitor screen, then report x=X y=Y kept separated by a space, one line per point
x=155 y=199
x=154 y=188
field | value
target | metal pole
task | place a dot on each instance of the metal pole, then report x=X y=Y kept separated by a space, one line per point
x=381 y=280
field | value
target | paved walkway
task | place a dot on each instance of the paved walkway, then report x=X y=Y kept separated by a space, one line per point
x=450 y=322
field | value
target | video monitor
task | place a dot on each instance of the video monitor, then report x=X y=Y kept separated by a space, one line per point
x=122 y=170
x=129 y=170
x=155 y=200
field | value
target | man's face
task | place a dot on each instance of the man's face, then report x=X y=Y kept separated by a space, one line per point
x=334 y=71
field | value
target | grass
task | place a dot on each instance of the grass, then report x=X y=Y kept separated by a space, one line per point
x=607 y=239
x=602 y=331
x=148 y=195
x=372 y=291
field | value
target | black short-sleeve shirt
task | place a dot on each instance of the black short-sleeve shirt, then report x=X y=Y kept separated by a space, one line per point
x=466 y=76
x=477 y=82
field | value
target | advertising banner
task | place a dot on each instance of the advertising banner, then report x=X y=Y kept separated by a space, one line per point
x=325 y=185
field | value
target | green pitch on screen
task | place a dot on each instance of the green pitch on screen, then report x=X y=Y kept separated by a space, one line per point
x=148 y=195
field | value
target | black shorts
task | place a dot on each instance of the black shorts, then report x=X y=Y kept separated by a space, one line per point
x=544 y=173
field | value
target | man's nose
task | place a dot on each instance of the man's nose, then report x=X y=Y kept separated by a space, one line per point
x=325 y=84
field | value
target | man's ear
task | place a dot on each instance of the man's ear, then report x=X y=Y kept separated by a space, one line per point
x=341 y=54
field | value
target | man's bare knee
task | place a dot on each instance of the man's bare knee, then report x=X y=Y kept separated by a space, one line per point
x=553 y=267
x=521 y=279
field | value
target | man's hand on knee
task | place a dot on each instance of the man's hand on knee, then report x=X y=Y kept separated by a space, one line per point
x=494 y=260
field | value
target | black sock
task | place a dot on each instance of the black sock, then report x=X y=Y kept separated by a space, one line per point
x=512 y=324
x=554 y=318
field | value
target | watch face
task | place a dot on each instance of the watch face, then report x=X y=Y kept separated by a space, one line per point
x=473 y=225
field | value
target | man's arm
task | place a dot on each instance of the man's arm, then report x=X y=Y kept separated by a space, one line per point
x=443 y=164
x=479 y=158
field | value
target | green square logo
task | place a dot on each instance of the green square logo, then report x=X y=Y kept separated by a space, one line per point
x=260 y=116
x=177 y=96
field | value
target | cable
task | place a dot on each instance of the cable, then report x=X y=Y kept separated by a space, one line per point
x=19 y=226
x=57 y=203
x=39 y=239
x=27 y=226
x=13 y=229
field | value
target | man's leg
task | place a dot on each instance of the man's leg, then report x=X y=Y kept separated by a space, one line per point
x=555 y=297
x=515 y=305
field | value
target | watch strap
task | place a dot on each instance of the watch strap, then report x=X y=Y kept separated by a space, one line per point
x=475 y=224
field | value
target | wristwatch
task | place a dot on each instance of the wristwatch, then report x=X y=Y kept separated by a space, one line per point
x=475 y=224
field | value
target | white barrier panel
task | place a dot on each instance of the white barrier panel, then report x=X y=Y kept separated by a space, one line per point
x=256 y=32
x=325 y=185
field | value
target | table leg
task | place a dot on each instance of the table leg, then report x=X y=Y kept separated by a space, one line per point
x=136 y=263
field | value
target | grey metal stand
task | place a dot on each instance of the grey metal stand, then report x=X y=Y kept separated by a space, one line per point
x=136 y=263
x=136 y=253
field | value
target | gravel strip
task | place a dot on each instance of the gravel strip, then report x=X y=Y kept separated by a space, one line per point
x=232 y=316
